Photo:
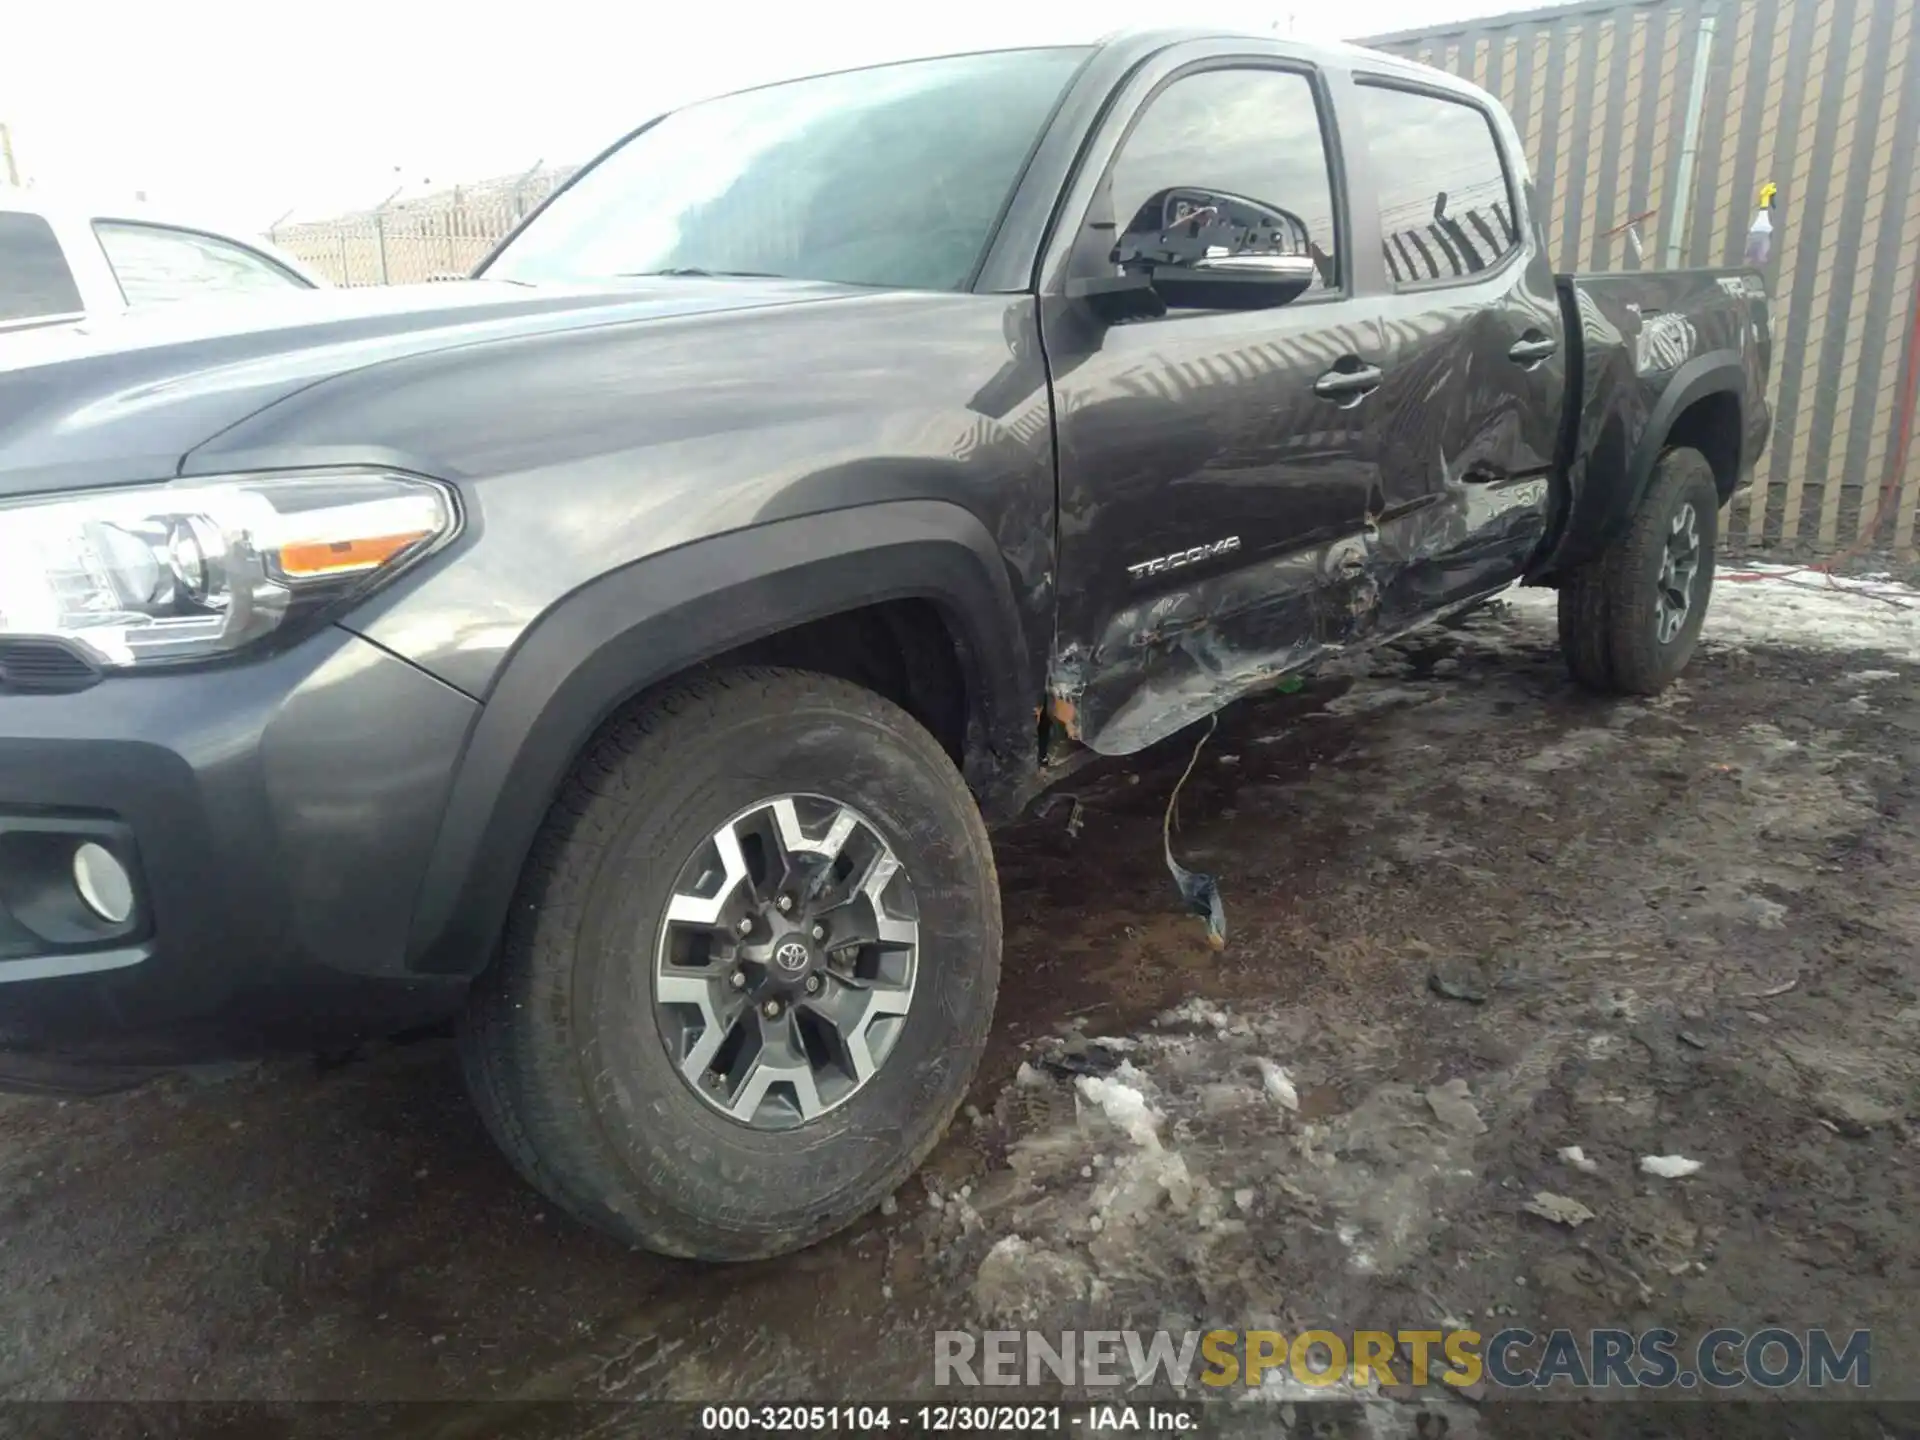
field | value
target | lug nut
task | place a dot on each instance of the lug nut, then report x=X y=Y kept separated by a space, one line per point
x=819 y=931
x=784 y=904
x=738 y=979
x=813 y=984
x=771 y=1009
x=745 y=927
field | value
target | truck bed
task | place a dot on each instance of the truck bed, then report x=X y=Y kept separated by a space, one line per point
x=1661 y=357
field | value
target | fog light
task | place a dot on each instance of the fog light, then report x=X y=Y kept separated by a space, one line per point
x=103 y=883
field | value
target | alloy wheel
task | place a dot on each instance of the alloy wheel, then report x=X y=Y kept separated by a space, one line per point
x=1679 y=568
x=785 y=965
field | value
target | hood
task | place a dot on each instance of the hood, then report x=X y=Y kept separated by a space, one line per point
x=122 y=398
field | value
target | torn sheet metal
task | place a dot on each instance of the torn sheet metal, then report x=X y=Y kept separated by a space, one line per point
x=1177 y=656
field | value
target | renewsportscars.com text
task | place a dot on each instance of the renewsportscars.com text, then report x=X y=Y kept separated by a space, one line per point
x=1511 y=1359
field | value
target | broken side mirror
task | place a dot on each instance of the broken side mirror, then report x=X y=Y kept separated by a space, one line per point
x=1196 y=249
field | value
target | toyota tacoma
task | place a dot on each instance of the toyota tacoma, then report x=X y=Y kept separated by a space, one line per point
x=623 y=654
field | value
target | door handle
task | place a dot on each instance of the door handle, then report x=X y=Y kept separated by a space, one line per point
x=1533 y=350
x=1349 y=387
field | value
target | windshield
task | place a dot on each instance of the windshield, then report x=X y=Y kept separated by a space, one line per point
x=892 y=176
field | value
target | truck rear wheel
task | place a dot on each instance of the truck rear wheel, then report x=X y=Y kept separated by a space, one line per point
x=1630 y=619
x=750 y=970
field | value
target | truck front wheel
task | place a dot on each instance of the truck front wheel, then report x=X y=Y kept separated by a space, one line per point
x=750 y=971
x=1630 y=619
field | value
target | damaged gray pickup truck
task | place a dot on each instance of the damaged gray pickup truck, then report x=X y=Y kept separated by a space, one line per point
x=622 y=654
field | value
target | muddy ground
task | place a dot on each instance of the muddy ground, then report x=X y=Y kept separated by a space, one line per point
x=1688 y=926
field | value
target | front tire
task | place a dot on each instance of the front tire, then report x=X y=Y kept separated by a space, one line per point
x=1629 y=620
x=750 y=970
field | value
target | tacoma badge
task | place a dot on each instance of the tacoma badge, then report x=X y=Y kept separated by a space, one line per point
x=1184 y=557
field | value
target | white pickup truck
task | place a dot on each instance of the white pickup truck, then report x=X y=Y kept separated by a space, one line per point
x=61 y=262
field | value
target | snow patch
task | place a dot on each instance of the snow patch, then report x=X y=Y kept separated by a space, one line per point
x=1571 y=751
x=1195 y=1012
x=1452 y=1105
x=1560 y=1209
x=1020 y=1283
x=1577 y=1158
x=1349 y=1235
x=1279 y=1085
x=1795 y=609
x=1365 y=697
x=1123 y=1104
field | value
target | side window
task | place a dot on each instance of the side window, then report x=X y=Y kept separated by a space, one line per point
x=1446 y=209
x=157 y=265
x=34 y=278
x=1243 y=147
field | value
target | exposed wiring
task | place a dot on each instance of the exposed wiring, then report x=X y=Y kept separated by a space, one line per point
x=1201 y=892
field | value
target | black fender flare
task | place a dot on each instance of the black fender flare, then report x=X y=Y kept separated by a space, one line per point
x=1612 y=480
x=1718 y=372
x=637 y=626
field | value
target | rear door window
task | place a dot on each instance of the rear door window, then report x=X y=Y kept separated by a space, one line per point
x=158 y=265
x=1446 y=205
x=35 y=282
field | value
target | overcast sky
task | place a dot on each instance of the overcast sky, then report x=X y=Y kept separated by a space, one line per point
x=245 y=111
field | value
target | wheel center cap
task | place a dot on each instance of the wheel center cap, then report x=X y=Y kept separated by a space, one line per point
x=791 y=957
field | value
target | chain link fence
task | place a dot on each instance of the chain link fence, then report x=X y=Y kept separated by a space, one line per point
x=441 y=236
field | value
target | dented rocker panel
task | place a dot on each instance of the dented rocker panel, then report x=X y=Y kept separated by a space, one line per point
x=1166 y=662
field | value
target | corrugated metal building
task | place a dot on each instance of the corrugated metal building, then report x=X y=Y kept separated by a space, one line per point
x=1821 y=97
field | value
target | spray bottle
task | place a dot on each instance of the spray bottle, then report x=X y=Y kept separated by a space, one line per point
x=1760 y=233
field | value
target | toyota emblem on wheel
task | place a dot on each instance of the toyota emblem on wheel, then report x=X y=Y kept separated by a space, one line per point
x=771 y=1027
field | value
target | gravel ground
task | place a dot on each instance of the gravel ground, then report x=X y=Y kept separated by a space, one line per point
x=1476 y=917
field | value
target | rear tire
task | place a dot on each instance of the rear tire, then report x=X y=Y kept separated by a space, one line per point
x=1630 y=619
x=587 y=1045
x=1585 y=638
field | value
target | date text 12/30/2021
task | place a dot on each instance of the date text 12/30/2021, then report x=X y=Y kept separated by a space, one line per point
x=1097 y=1418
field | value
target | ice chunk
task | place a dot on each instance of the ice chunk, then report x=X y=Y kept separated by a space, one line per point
x=1279 y=1085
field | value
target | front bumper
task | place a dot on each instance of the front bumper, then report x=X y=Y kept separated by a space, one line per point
x=276 y=818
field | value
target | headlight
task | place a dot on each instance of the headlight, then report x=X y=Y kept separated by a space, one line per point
x=197 y=569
